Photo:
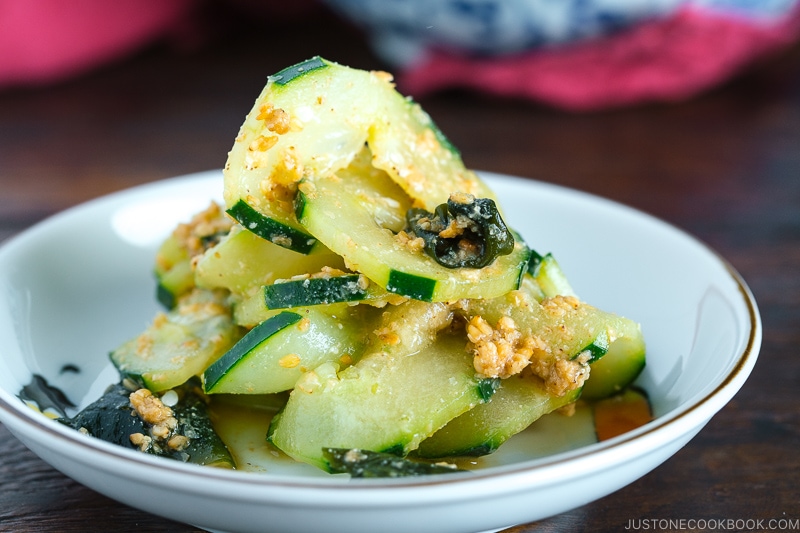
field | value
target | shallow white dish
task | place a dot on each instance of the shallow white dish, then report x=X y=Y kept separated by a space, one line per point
x=75 y=286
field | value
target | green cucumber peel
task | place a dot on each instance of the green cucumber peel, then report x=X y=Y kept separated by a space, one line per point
x=314 y=291
x=246 y=344
x=293 y=72
x=412 y=286
x=270 y=229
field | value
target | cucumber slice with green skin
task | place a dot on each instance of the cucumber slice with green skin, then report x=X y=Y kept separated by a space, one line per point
x=620 y=366
x=386 y=402
x=255 y=338
x=311 y=120
x=170 y=253
x=174 y=283
x=272 y=356
x=532 y=289
x=411 y=382
x=544 y=278
x=179 y=344
x=411 y=148
x=385 y=200
x=547 y=273
x=268 y=403
x=562 y=328
x=295 y=71
x=519 y=401
x=333 y=210
x=285 y=234
x=316 y=291
x=306 y=122
x=597 y=348
x=243 y=262
x=252 y=310
x=566 y=332
x=174 y=258
x=173 y=270
x=615 y=362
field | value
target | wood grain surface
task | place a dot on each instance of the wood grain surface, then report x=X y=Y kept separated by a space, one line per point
x=724 y=166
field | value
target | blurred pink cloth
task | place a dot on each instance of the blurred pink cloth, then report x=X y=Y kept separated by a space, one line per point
x=46 y=40
x=661 y=60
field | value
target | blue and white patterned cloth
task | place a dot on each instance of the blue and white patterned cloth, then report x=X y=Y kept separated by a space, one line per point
x=401 y=30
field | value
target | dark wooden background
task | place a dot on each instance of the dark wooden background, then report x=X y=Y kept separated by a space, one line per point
x=724 y=166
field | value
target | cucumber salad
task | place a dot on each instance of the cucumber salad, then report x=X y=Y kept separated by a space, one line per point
x=361 y=287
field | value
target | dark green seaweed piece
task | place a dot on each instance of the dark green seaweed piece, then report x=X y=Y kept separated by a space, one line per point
x=205 y=446
x=113 y=419
x=110 y=417
x=465 y=232
x=368 y=464
x=46 y=397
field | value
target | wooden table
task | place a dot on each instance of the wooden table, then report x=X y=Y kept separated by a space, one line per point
x=725 y=167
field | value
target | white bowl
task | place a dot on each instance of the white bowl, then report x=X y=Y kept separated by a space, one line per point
x=75 y=286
